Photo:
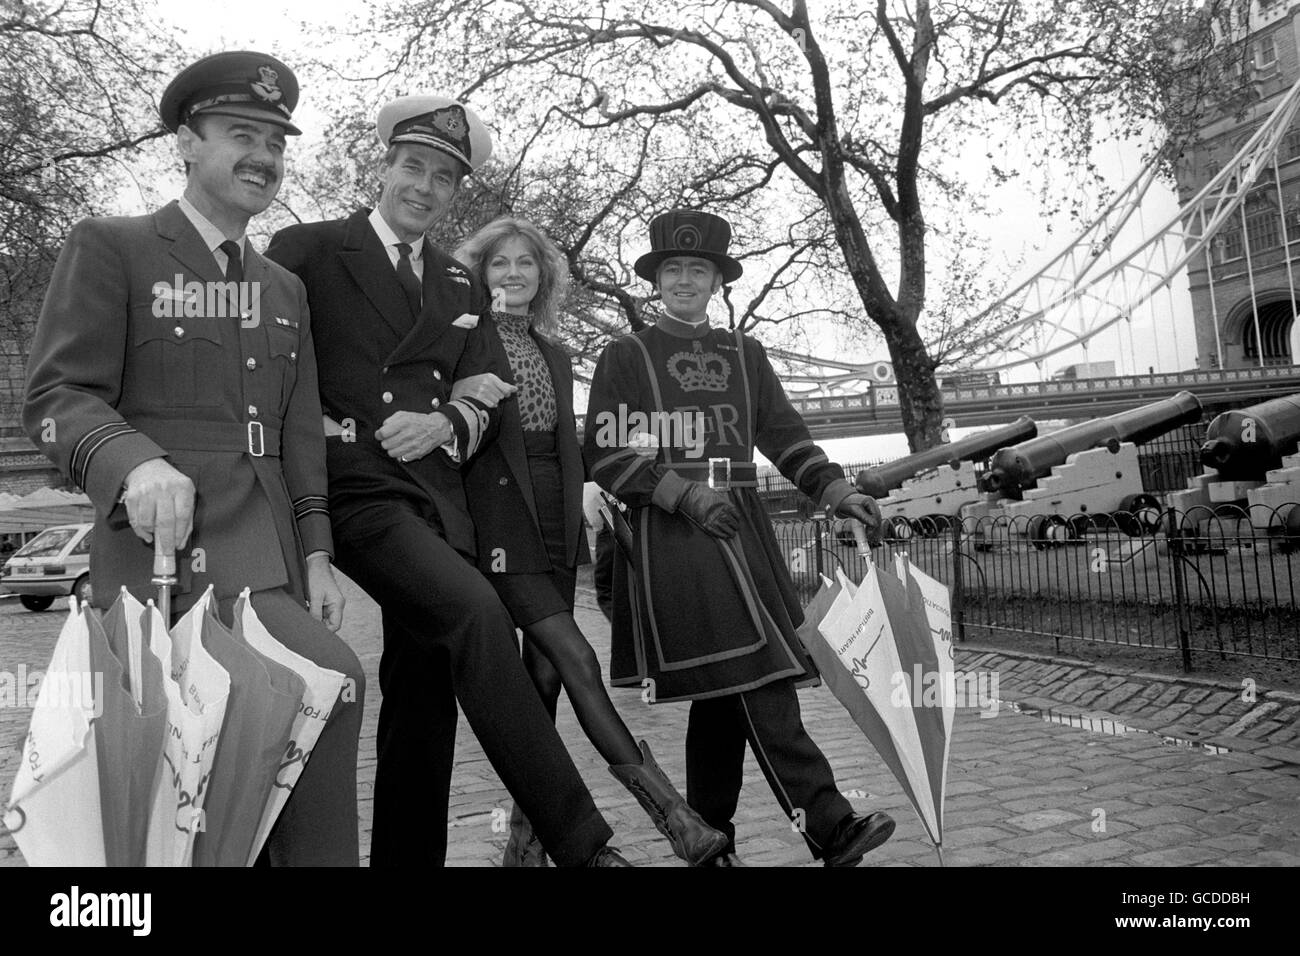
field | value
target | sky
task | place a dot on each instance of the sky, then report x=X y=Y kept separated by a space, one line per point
x=1022 y=236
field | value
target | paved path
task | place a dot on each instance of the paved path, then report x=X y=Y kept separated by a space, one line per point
x=1022 y=789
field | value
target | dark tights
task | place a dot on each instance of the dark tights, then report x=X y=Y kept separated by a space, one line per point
x=555 y=654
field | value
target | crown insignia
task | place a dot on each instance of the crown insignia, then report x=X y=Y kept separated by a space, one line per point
x=700 y=371
x=268 y=85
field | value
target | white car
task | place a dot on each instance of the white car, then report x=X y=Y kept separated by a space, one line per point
x=54 y=563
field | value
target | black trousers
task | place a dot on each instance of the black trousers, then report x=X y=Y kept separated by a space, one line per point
x=796 y=769
x=413 y=771
x=444 y=605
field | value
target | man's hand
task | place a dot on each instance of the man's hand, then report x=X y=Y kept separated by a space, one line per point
x=709 y=510
x=486 y=387
x=408 y=436
x=323 y=592
x=160 y=500
x=862 y=508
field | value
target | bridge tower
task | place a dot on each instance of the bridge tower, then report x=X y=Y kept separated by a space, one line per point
x=1245 y=288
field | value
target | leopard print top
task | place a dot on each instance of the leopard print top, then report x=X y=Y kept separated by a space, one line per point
x=538 y=411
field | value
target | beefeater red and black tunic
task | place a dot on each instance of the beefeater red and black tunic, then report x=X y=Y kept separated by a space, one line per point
x=699 y=616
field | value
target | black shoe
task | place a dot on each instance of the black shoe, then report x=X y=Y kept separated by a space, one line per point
x=725 y=859
x=607 y=856
x=856 y=836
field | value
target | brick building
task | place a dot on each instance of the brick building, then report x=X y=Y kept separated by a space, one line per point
x=1245 y=309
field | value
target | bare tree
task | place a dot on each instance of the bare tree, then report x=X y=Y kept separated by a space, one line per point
x=75 y=102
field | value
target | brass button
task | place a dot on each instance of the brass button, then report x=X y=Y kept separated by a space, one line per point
x=387 y=397
x=385 y=369
x=251 y=363
x=293 y=356
x=178 y=331
x=437 y=375
x=252 y=411
x=435 y=403
x=503 y=481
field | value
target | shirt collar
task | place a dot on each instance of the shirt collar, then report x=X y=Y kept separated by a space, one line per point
x=211 y=235
x=388 y=237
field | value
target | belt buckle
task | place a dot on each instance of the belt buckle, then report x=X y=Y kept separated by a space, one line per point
x=256 y=441
x=720 y=474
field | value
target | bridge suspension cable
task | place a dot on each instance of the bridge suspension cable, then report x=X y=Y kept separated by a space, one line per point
x=1095 y=282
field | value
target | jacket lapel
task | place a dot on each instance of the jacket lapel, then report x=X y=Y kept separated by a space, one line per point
x=367 y=262
x=566 y=436
x=441 y=306
x=510 y=439
x=188 y=247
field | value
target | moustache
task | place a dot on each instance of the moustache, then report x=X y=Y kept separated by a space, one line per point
x=260 y=169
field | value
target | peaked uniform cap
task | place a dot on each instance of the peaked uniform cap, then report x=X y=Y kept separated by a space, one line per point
x=238 y=83
x=439 y=122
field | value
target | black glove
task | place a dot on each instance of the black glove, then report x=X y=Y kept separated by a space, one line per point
x=862 y=508
x=708 y=510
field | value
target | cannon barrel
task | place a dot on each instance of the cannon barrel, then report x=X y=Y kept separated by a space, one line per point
x=1021 y=465
x=1243 y=444
x=879 y=480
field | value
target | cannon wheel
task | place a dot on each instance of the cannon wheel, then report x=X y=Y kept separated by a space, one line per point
x=1045 y=531
x=899 y=528
x=1138 y=515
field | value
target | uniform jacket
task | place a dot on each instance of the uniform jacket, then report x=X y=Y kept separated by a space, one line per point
x=698 y=616
x=370 y=367
x=143 y=352
x=499 y=488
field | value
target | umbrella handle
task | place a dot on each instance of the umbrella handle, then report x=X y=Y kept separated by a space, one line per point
x=860 y=536
x=164 y=578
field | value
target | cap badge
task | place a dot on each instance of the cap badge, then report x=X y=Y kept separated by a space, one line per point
x=268 y=86
x=687 y=236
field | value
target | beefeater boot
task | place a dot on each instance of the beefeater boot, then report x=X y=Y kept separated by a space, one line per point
x=692 y=839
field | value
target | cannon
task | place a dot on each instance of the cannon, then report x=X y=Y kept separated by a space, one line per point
x=1245 y=444
x=1250 y=457
x=1070 y=479
x=1017 y=469
x=920 y=491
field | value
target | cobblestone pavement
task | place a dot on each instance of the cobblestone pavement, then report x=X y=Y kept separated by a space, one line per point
x=1069 y=771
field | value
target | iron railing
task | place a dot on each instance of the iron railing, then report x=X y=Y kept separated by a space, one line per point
x=1223 y=581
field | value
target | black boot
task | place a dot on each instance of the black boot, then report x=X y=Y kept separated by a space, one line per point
x=692 y=839
x=523 y=848
x=855 y=836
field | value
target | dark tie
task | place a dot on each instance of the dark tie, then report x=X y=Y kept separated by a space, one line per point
x=406 y=276
x=234 y=268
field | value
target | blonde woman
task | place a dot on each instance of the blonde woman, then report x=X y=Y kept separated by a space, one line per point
x=525 y=496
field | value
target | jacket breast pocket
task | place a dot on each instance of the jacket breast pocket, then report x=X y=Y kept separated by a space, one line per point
x=177 y=361
x=282 y=344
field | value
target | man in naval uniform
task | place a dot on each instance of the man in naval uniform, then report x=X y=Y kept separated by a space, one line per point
x=173 y=377
x=409 y=388
x=705 y=610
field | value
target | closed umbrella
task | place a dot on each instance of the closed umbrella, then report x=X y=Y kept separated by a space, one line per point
x=129 y=731
x=264 y=699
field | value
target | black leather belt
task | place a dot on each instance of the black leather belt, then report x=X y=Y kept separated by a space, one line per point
x=737 y=474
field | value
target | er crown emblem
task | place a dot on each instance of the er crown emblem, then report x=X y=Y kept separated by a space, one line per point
x=700 y=371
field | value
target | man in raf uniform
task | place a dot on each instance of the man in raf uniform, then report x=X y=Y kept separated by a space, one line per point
x=173 y=378
x=705 y=610
x=410 y=389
